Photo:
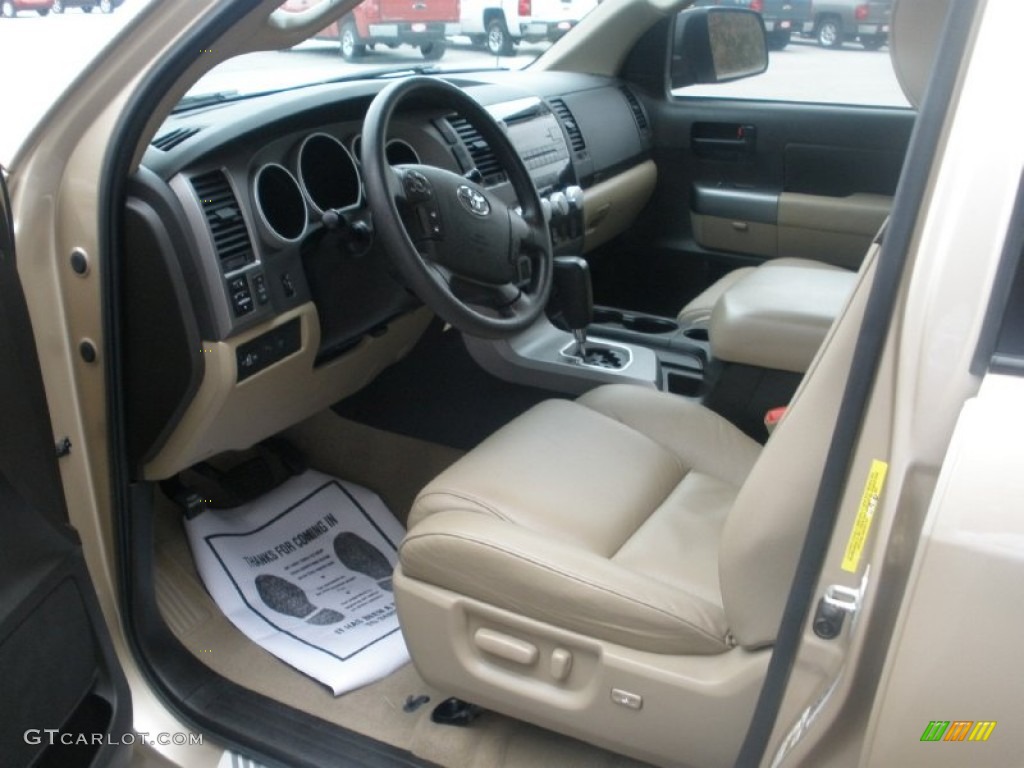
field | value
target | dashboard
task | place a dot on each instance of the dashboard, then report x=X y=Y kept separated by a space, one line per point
x=255 y=290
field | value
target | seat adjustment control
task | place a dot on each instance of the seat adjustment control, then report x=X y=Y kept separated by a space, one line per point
x=627 y=698
x=561 y=663
x=506 y=647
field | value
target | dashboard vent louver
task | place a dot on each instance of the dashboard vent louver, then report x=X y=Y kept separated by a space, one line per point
x=170 y=140
x=220 y=207
x=638 y=111
x=564 y=115
x=479 y=150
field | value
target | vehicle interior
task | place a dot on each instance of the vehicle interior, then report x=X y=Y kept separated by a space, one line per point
x=562 y=399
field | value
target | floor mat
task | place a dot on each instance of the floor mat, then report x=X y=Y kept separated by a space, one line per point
x=304 y=571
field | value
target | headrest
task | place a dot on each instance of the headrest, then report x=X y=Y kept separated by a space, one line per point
x=914 y=32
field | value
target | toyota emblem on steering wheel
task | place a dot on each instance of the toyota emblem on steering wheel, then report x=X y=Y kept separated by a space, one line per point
x=473 y=201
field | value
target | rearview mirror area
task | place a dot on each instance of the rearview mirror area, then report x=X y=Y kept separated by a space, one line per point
x=716 y=45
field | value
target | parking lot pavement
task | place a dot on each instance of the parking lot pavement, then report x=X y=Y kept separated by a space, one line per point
x=40 y=57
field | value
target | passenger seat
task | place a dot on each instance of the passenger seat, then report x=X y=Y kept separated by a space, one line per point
x=698 y=311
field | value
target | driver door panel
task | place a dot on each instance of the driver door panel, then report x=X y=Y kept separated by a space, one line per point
x=63 y=690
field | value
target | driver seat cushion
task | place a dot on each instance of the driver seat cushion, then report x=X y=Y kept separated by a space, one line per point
x=633 y=516
x=612 y=506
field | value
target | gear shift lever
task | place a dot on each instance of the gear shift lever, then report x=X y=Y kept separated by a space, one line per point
x=576 y=297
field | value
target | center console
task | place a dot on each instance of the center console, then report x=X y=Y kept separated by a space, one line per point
x=763 y=333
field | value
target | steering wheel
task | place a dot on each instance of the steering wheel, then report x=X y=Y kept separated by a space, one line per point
x=480 y=264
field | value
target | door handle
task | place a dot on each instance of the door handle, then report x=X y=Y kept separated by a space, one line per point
x=723 y=138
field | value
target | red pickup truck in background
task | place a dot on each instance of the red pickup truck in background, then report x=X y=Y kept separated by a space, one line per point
x=421 y=23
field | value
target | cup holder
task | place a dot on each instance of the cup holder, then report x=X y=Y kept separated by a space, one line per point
x=649 y=324
x=607 y=316
x=636 y=323
x=696 y=334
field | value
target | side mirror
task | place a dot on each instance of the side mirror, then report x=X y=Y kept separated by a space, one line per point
x=714 y=45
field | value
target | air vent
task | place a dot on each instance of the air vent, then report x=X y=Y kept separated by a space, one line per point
x=230 y=236
x=561 y=110
x=638 y=110
x=169 y=141
x=483 y=157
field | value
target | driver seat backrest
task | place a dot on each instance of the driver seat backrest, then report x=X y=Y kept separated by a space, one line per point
x=756 y=559
x=766 y=526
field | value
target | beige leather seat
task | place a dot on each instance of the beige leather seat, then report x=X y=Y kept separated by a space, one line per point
x=616 y=568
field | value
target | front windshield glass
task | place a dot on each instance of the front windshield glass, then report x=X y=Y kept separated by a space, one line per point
x=45 y=44
x=395 y=34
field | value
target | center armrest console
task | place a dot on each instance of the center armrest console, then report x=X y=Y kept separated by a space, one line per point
x=777 y=318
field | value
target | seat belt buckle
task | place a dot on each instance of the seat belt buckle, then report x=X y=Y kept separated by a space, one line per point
x=773 y=417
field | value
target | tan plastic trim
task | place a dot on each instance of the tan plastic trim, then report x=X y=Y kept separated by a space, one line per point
x=836 y=230
x=720 y=234
x=611 y=206
x=654 y=707
x=228 y=415
x=966 y=581
x=833 y=230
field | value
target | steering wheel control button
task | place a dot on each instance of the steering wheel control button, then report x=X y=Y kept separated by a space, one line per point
x=473 y=200
x=241 y=297
x=524 y=269
x=417 y=187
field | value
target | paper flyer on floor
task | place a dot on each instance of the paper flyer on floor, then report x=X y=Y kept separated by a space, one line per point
x=305 y=572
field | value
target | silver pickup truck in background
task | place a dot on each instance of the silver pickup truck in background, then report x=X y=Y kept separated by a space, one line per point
x=501 y=24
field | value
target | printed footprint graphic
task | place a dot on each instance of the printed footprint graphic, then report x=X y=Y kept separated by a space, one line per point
x=359 y=555
x=284 y=597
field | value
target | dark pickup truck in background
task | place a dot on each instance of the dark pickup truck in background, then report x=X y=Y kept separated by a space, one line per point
x=835 y=22
x=782 y=18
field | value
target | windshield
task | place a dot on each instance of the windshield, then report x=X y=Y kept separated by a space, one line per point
x=45 y=44
x=383 y=35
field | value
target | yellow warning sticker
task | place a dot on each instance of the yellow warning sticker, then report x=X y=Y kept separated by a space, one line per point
x=865 y=514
